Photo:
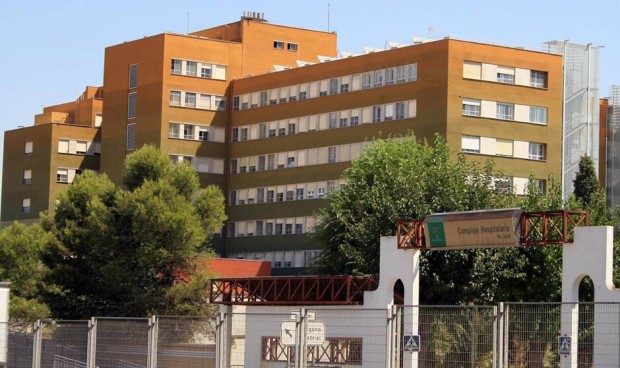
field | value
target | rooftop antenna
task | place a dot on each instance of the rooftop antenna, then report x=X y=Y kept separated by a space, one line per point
x=187 y=24
x=328 y=6
x=431 y=29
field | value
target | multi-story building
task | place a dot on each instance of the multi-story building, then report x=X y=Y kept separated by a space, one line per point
x=271 y=115
x=42 y=159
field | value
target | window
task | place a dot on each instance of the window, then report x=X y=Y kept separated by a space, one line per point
x=203 y=135
x=355 y=120
x=299 y=228
x=233 y=197
x=270 y=194
x=269 y=229
x=98 y=120
x=133 y=76
x=504 y=185
x=289 y=195
x=236 y=103
x=344 y=122
x=259 y=228
x=505 y=75
x=81 y=147
x=28 y=149
x=310 y=194
x=290 y=162
x=331 y=154
x=333 y=86
x=272 y=132
x=540 y=185
x=471 y=107
x=299 y=194
x=280 y=197
x=175 y=98
x=400 y=110
x=291 y=128
x=320 y=193
x=366 y=80
x=261 y=163
x=279 y=229
x=400 y=74
x=233 y=165
x=190 y=99
x=278 y=45
x=470 y=144
x=131 y=137
x=26 y=205
x=132 y=100
x=260 y=195
x=333 y=120
x=538 y=79
x=291 y=46
x=191 y=68
x=288 y=229
x=413 y=72
x=538 y=115
x=244 y=134
x=378 y=78
x=188 y=131
x=235 y=135
x=175 y=66
x=263 y=98
x=303 y=95
x=220 y=103
x=537 y=151
x=27 y=177
x=205 y=72
x=505 y=111
x=344 y=88
x=281 y=131
x=62 y=176
x=262 y=130
x=389 y=76
x=376 y=114
x=472 y=70
x=271 y=161
x=231 y=230
x=504 y=147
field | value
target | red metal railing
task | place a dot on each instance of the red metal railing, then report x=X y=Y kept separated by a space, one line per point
x=312 y=290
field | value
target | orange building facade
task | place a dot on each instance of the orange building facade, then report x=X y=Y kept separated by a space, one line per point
x=272 y=115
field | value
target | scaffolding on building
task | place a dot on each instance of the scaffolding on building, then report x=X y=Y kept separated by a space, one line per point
x=613 y=148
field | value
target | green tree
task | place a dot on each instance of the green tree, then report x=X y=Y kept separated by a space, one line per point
x=21 y=264
x=586 y=183
x=121 y=251
x=396 y=179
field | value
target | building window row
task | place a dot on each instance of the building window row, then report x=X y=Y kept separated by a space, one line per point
x=504 y=111
x=197 y=100
x=290 y=46
x=66 y=175
x=503 y=147
x=281 y=193
x=518 y=185
x=133 y=76
x=266 y=227
x=196 y=132
x=201 y=69
x=332 y=86
x=205 y=165
x=79 y=147
x=306 y=157
x=332 y=120
x=25 y=205
x=505 y=74
x=298 y=258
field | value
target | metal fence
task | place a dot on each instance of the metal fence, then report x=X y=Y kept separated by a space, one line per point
x=511 y=335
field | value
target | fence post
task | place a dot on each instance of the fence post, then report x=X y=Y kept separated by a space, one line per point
x=506 y=332
x=91 y=349
x=498 y=335
x=36 y=345
x=389 y=353
x=300 y=337
x=220 y=340
x=151 y=359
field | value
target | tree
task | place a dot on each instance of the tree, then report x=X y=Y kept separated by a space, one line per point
x=398 y=179
x=21 y=265
x=120 y=251
x=586 y=183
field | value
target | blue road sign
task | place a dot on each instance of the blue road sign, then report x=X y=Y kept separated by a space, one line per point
x=411 y=343
x=564 y=345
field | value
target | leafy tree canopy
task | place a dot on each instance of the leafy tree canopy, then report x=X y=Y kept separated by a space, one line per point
x=119 y=251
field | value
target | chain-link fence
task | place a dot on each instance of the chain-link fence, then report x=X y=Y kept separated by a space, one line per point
x=512 y=335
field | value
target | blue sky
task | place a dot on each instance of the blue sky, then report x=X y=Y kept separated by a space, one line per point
x=52 y=49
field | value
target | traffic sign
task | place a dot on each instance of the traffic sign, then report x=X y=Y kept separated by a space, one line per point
x=315 y=333
x=411 y=343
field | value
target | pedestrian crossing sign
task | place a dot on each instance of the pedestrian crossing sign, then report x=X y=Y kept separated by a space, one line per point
x=411 y=343
x=564 y=345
